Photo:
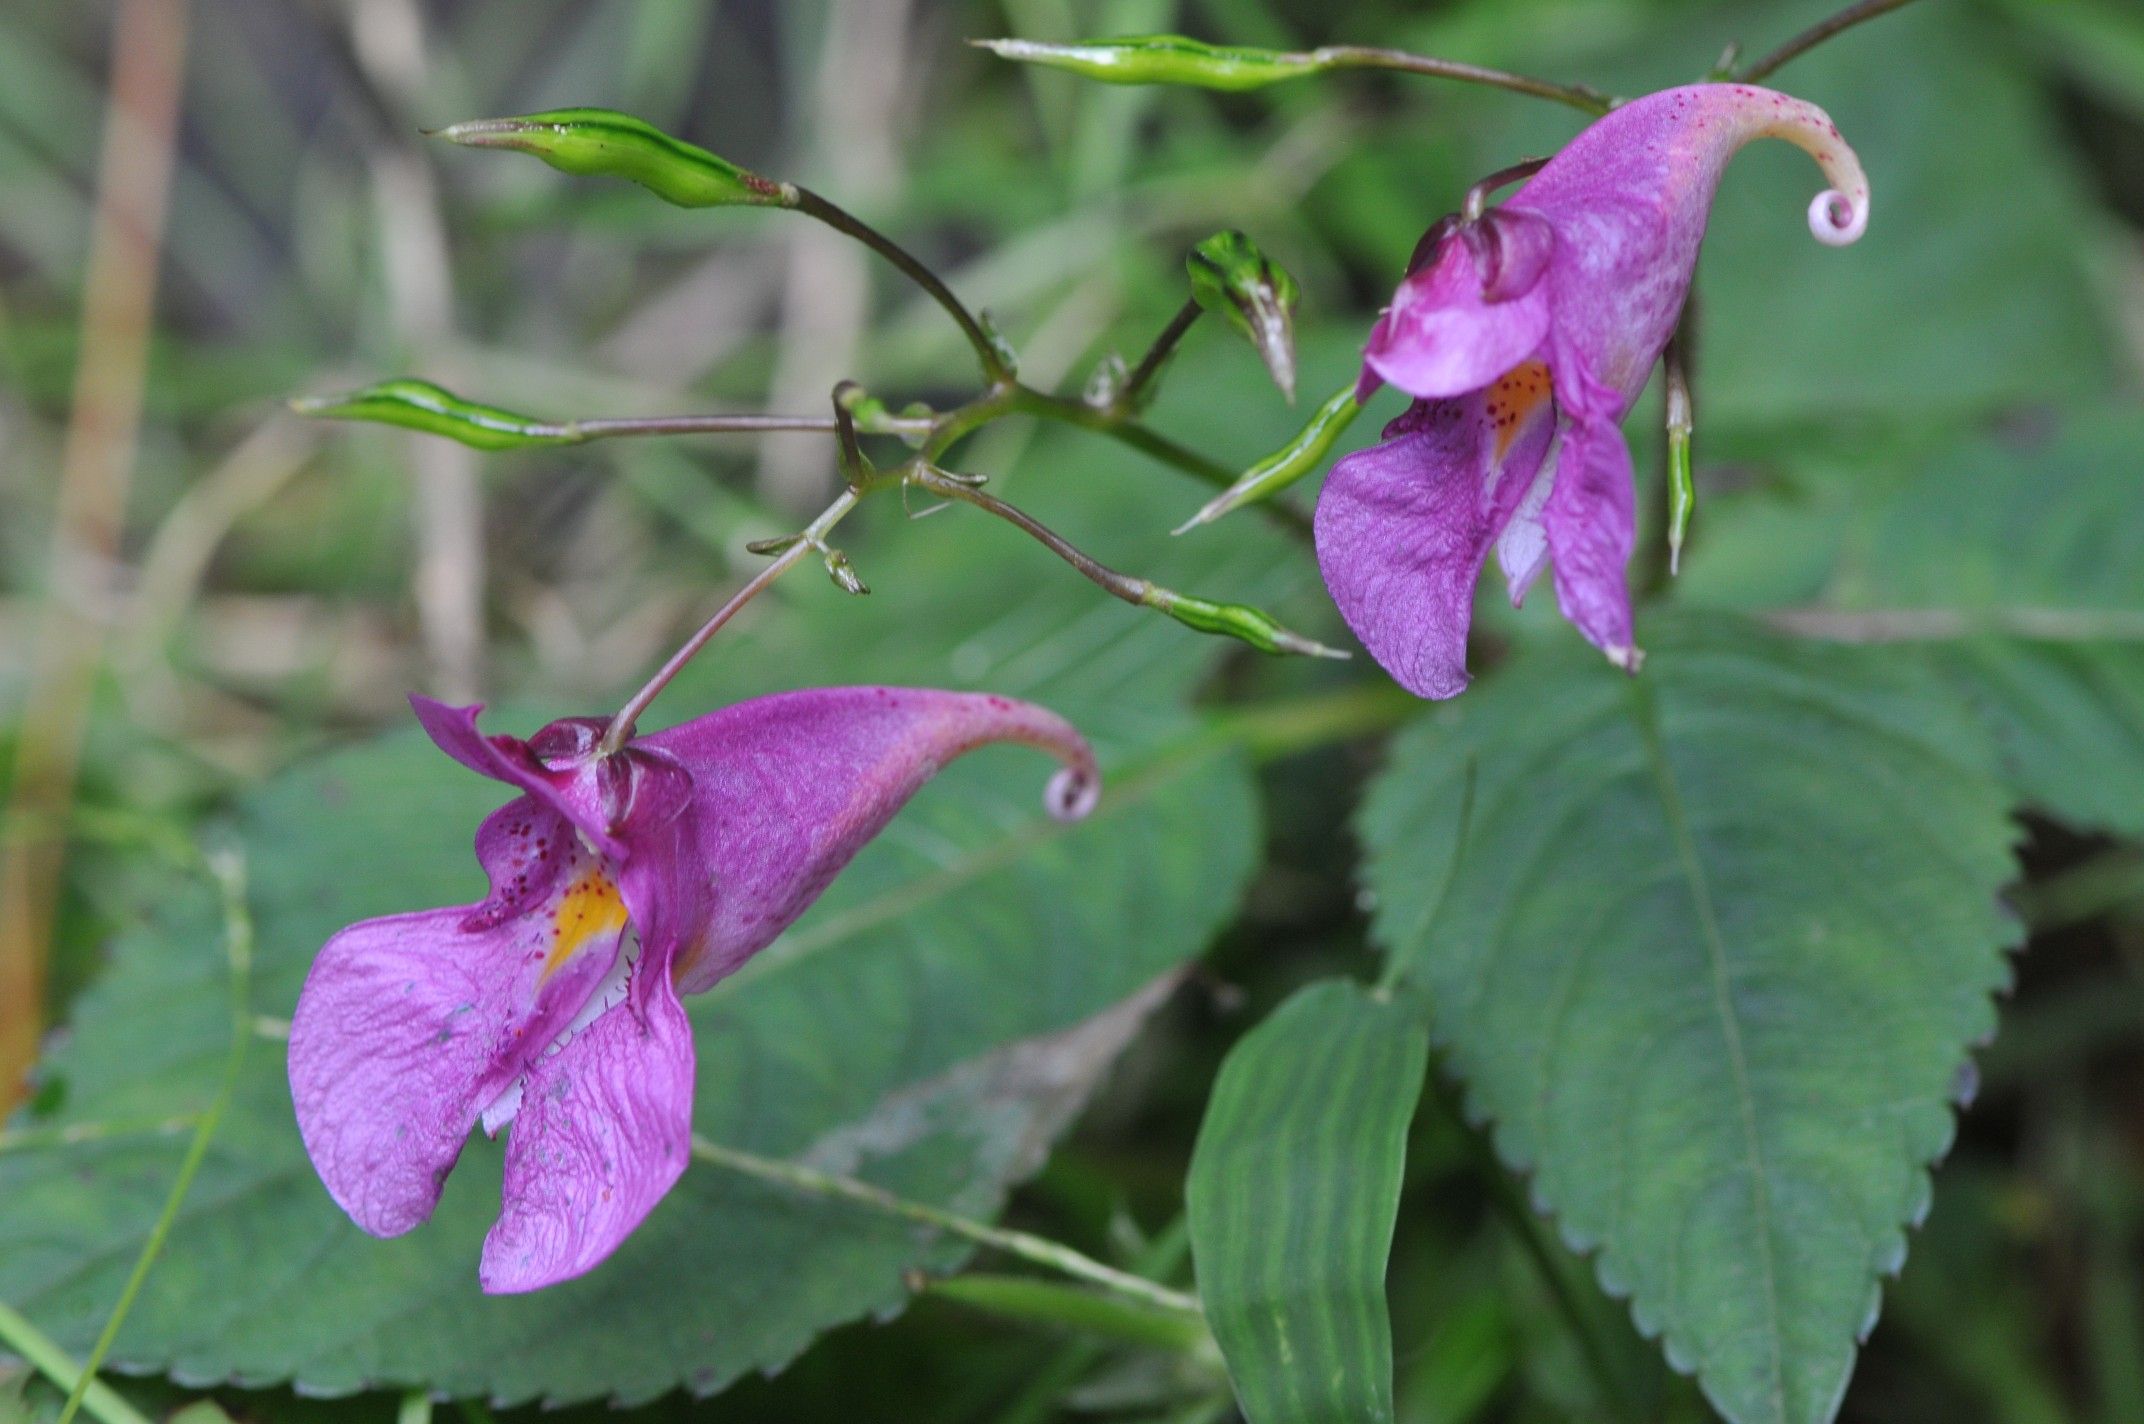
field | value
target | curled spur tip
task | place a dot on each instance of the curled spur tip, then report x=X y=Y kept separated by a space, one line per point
x=1072 y=793
x=1837 y=219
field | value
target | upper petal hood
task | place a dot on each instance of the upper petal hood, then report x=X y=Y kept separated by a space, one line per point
x=786 y=789
x=1628 y=199
x=611 y=800
x=1471 y=311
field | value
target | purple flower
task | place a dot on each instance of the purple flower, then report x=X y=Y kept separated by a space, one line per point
x=617 y=883
x=1525 y=335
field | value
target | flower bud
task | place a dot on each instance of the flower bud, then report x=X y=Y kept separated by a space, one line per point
x=420 y=405
x=1106 y=382
x=1161 y=59
x=1230 y=276
x=611 y=144
x=843 y=573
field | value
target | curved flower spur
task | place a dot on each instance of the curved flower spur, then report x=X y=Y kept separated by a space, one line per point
x=618 y=882
x=1525 y=333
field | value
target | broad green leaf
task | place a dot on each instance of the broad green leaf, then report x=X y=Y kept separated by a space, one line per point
x=927 y=1026
x=606 y=143
x=1709 y=947
x=2018 y=565
x=2014 y=563
x=1294 y=1185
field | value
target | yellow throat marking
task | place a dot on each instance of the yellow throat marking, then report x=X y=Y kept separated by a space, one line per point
x=590 y=907
x=1517 y=394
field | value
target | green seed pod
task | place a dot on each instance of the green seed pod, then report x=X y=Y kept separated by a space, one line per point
x=1162 y=59
x=611 y=144
x=1299 y=457
x=1236 y=620
x=1231 y=277
x=420 y=405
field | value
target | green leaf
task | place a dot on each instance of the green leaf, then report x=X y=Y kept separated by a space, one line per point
x=607 y=143
x=2018 y=565
x=1293 y=1189
x=1709 y=947
x=1231 y=277
x=419 y=405
x=1161 y=59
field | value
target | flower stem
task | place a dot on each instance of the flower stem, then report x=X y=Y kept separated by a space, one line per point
x=1477 y=199
x=229 y=872
x=849 y=225
x=1818 y=33
x=809 y=541
x=1132 y=590
x=1127 y=399
x=604 y=427
x=1578 y=96
x=1049 y=1302
x=78 y=1132
x=1147 y=442
x=1039 y=1250
x=45 y=1356
x=1233 y=620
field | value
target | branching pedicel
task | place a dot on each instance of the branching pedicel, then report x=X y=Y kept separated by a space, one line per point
x=1228 y=275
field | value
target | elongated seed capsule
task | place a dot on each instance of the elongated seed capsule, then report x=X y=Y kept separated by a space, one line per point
x=420 y=405
x=1161 y=59
x=607 y=143
x=1299 y=457
x=1235 y=620
x=1230 y=276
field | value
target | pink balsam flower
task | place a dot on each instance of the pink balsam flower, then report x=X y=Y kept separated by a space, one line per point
x=617 y=883
x=1525 y=335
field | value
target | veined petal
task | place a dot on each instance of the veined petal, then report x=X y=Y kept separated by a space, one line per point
x=1403 y=527
x=1628 y=199
x=1522 y=548
x=1443 y=336
x=788 y=788
x=1591 y=521
x=409 y=1026
x=602 y=1134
